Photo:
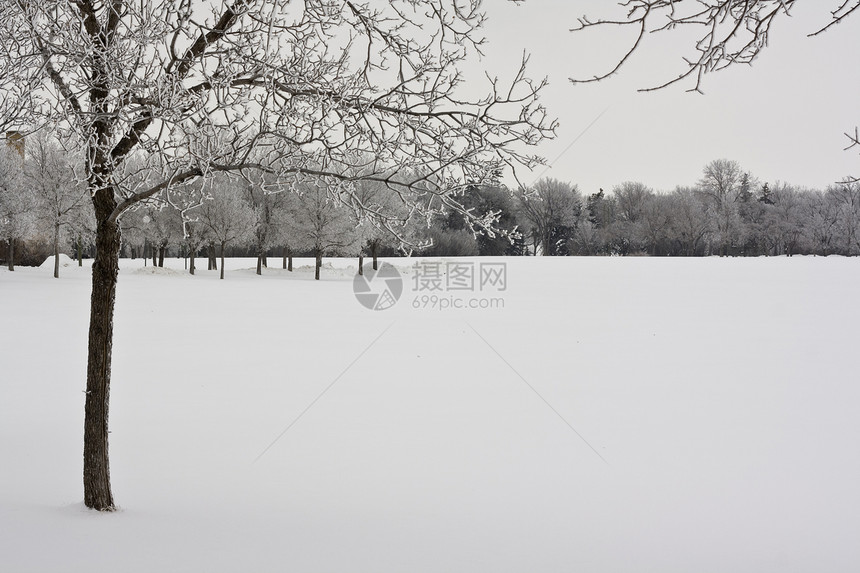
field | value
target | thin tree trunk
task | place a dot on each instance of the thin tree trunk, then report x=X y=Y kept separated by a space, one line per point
x=318 y=265
x=11 y=252
x=56 y=250
x=290 y=260
x=360 y=264
x=374 y=251
x=222 y=260
x=97 y=490
x=191 y=256
x=213 y=261
x=161 y=250
x=284 y=254
x=80 y=252
x=259 y=265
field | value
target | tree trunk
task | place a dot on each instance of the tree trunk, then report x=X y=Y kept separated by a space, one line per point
x=374 y=251
x=11 y=252
x=97 y=490
x=191 y=256
x=80 y=252
x=290 y=260
x=259 y=265
x=361 y=264
x=213 y=262
x=284 y=253
x=56 y=250
x=161 y=250
x=265 y=260
x=222 y=260
x=318 y=265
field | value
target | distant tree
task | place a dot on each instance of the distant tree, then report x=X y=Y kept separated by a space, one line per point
x=194 y=236
x=628 y=233
x=602 y=214
x=320 y=223
x=655 y=223
x=630 y=199
x=821 y=215
x=690 y=226
x=60 y=200
x=765 y=196
x=549 y=211
x=752 y=213
x=446 y=242
x=162 y=226
x=846 y=196
x=133 y=237
x=722 y=185
x=787 y=216
x=270 y=217
x=384 y=221
x=227 y=216
x=16 y=202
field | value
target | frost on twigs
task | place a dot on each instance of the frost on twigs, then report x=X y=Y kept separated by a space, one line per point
x=728 y=32
x=162 y=93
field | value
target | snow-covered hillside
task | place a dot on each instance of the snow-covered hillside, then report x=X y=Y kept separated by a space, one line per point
x=616 y=415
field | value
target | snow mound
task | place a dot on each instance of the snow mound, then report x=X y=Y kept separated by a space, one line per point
x=65 y=261
x=162 y=271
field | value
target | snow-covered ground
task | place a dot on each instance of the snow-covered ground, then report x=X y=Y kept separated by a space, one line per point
x=617 y=415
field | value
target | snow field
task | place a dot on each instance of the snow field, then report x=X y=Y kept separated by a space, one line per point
x=721 y=393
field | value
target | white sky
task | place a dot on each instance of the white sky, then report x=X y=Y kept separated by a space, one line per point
x=783 y=119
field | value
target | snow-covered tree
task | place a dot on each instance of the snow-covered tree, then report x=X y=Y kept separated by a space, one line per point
x=321 y=224
x=270 y=217
x=62 y=203
x=846 y=196
x=549 y=210
x=721 y=184
x=16 y=201
x=162 y=227
x=206 y=87
x=227 y=216
x=383 y=220
x=690 y=226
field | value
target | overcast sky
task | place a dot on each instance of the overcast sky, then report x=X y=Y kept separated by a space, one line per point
x=783 y=119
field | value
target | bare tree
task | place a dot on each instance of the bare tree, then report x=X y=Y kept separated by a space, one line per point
x=203 y=87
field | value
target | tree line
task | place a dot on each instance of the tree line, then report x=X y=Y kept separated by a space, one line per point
x=727 y=212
